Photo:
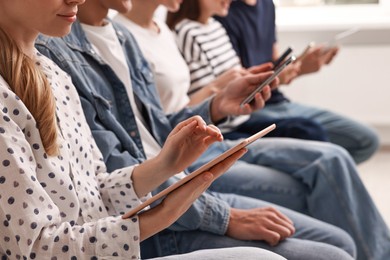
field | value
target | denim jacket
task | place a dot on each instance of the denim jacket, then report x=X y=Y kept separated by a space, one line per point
x=109 y=114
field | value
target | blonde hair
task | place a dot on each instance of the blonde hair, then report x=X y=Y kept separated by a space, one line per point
x=31 y=86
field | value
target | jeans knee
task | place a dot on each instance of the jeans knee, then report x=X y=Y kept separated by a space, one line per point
x=369 y=146
x=344 y=241
x=333 y=152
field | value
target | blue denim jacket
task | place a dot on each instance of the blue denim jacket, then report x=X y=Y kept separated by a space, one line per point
x=111 y=118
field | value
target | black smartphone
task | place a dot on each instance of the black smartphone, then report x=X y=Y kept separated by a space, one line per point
x=268 y=80
x=282 y=57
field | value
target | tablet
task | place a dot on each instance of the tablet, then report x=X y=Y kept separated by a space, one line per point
x=338 y=38
x=203 y=168
x=268 y=80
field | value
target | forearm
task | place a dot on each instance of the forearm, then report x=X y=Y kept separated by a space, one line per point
x=202 y=109
x=148 y=176
x=216 y=114
x=207 y=213
x=202 y=94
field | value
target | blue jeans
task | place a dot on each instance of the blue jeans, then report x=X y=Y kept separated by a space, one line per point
x=313 y=239
x=294 y=127
x=316 y=178
x=359 y=140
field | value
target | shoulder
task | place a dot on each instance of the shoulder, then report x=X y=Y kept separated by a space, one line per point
x=47 y=42
x=187 y=27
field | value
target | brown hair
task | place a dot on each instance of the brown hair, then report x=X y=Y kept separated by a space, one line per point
x=31 y=86
x=189 y=9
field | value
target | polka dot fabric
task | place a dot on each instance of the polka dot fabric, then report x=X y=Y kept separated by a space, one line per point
x=62 y=207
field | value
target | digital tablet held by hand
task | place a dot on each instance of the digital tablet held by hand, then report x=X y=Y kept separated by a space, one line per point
x=268 y=80
x=203 y=168
x=340 y=37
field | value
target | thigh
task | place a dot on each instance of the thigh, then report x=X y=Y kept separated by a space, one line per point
x=292 y=248
x=293 y=127
x=263 y=183
x=359 y=139
x=307 y=228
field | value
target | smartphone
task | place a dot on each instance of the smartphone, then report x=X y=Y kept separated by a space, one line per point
x=266 y=82
x=203 y=168
x=282 y=57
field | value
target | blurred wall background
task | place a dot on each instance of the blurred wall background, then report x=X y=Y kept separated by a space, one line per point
x=357 y=83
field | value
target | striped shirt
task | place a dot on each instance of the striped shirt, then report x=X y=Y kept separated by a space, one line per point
x=207 y=50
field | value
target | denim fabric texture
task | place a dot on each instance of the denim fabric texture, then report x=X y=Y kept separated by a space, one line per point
x=358 y=139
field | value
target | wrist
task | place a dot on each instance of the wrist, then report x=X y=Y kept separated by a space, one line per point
x=216 y=113
x=165 y=169
x=211 y=89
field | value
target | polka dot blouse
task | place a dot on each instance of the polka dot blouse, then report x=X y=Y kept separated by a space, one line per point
x=65 y=206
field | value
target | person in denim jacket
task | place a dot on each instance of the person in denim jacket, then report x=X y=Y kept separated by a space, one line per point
x=303 y=176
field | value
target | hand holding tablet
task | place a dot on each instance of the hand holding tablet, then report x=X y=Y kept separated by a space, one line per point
x=200 y=170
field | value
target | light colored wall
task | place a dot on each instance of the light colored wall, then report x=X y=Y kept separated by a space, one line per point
x=357 y=83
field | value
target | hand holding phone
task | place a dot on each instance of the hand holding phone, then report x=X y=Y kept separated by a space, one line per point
x=305 y=51
x=283 y=65
x=203 y=168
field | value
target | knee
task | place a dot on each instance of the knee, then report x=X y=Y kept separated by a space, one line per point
x=369 y=145
x=332 y=152
x=326 y=252
x=344 y=241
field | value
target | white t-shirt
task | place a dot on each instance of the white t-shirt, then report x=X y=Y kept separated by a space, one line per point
x=106 y=44
x=171 y=72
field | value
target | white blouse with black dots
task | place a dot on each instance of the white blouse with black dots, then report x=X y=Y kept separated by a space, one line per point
x=62 y=207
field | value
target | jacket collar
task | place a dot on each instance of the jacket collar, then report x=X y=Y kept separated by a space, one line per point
x=77 y=39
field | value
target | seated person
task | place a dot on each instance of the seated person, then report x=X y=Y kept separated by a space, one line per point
x=250 y=25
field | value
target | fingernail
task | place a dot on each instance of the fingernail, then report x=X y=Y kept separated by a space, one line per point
x=207 y=176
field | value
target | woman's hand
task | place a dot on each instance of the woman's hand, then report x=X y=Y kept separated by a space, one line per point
x=177 y=202
x=228 y=101
x=187 y=141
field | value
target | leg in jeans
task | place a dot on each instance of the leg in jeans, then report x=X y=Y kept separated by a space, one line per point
x=359 y=140
x=313 y=239
x=296 y=127
x=247 y=253
x=334 y=191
